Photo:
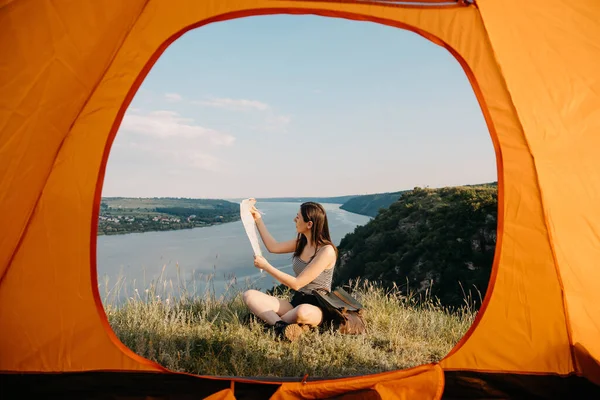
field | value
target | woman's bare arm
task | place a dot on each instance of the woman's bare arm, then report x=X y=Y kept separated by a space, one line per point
x=271 y=244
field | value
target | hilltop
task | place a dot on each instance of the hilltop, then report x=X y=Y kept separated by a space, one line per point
x=371 y=204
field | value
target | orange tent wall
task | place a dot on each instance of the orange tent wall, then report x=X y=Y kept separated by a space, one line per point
x=55 y=55
x=72 y=70
x=553 y=76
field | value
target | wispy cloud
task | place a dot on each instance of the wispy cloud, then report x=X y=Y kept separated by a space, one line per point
x=169 y=124
x=173 y=97
x=234 y=104
x=262 y=117
x=180 y=157
x=203 y=161
x=257 y=116
x=275 y=123
x=165 y=139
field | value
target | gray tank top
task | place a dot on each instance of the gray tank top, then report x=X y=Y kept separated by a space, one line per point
x=323 y=281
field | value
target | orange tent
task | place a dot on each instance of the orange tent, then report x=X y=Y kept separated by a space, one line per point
x=68 y=71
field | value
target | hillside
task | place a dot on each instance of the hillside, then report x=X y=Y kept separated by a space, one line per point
x=439 y=240
x=370 y=204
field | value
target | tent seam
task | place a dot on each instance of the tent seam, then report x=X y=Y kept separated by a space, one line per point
x=500 y=195
x=511 y=371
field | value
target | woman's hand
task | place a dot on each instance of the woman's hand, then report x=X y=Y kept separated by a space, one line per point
x=260 y=262
x=254 y=211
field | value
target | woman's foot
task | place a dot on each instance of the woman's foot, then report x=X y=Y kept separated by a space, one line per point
x=291 y=332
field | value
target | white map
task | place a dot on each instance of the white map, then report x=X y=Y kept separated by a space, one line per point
x=250 y=225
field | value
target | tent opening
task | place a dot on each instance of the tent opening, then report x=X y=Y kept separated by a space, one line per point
x=378 y=124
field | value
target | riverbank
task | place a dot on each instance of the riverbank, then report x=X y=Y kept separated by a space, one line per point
x=123 y=224
x=122 y=215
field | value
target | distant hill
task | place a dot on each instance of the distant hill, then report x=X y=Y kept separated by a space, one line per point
x=334 y=200
x=432 y=240
x=370 y=204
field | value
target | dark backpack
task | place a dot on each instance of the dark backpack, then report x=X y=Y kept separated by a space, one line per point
x=343 y=311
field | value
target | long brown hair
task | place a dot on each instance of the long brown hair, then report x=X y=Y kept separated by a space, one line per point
x=314 y=212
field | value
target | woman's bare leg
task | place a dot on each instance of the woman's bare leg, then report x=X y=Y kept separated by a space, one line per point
x=268 y=308
x=304 y=314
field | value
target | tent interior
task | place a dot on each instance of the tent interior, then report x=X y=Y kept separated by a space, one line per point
x=71 y=69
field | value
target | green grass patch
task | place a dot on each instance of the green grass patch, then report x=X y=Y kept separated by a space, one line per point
x=216 y=336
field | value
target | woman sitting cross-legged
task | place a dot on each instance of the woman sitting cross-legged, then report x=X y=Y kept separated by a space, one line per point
x=314 y=257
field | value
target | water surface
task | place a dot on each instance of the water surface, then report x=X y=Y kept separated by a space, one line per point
x=220 y=255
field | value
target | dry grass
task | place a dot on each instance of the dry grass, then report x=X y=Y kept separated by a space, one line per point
x=216 y=336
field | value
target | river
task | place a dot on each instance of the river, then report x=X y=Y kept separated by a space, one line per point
x=218 y=258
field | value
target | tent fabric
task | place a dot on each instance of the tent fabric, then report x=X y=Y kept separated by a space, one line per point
x=156 y=385
x=70 y=69
x=426 y=382
x=226 y=394
x=554 y=80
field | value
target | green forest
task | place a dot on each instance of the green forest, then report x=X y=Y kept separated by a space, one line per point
x=439 y=241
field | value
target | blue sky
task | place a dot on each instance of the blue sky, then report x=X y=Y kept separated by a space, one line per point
x=299 y=106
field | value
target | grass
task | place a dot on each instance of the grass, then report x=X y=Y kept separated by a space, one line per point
x=210 y=335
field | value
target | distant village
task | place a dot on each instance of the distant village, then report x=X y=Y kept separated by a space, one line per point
x=144 y=215
x=112 y=224
x=118 y=218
